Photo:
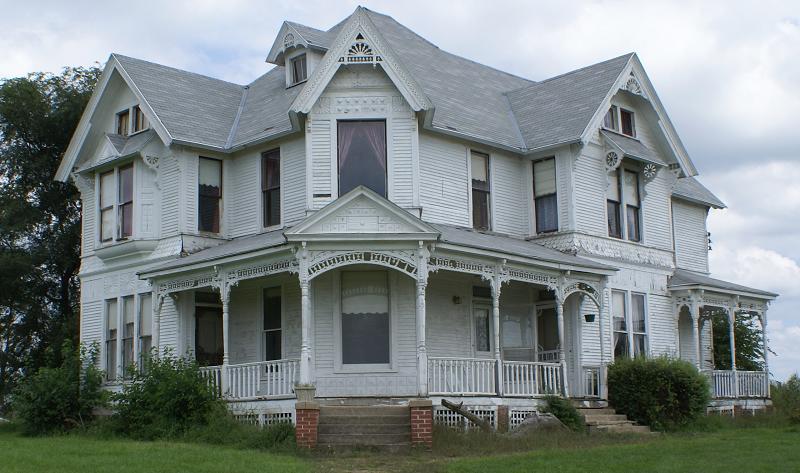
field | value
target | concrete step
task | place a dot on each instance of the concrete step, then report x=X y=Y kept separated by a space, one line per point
x=363 y=411
x=610 y=422
x=621 y=428
x=374 y=419
x=365 y=429
x=334 y=440
x=600 y=418
x=597 y=411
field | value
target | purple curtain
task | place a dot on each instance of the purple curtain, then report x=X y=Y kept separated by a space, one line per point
x=373 y=133
x=376 y=137
x=346 y=135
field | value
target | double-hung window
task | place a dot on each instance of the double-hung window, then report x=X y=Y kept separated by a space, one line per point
x=145 y=328
x=272 y=324
x=623 y=205
x=613 y=205
x=481 y=192
x=127 y=334
x=271 y=187
x=632 y=204
x=116 y=204
x=362 y=155
x=299 y=69
x=111 y=339
x=626 y=122
x=629 y=322
x=209 y=195
x=544 y=195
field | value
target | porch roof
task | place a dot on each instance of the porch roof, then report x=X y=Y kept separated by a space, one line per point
x=457 y=236
x=684 y=280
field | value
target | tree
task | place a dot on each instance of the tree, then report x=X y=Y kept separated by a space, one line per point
x=747 y=334
x=39 y=220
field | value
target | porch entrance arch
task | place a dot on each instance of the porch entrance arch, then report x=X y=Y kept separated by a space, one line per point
x=582 y=311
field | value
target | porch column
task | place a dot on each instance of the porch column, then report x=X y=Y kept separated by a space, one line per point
x=496 y=283
x=305 y=338
x=696 y=332
x=224 y=294
x=422 y=350
x=156 y=301
x=561 y=355
x=732 y=341
x=764 y=346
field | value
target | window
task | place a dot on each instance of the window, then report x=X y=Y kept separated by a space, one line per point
x=111 y=339
x=362 y=155
x=631 y=196
x=125 y=202
x=145 y=328
x=272 y=324
x=613 y=206
x=365 y=318
x=209 y=194
x=618 y=312
x=638 y=327
x=544 y=195
x=481 y=315
x=127 y=334
x=299 y=69
x=271 y=187
x=139 y=120
x=610 y=120
x=107 y=206
x=479 y=165
x=626 y=122
x=208 y=346
x=123 y=122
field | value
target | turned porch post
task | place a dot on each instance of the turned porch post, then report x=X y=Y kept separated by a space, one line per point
x=561 y=355
x=156 y=301
x=766 y=351
x=422 y=350
x=732 y=341
x=496 y=319
x=305 y=318
x=224 y=294
x=696 y=332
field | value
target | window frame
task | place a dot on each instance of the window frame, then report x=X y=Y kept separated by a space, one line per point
x=122 y=204
x=116 y=206
x=613 y=111
x=645 y=321
x=336 y=161
x=111 y=358
x=553 y=195
x=487 y=191
x=623 y=207
x=632 y=114
x=293 y=72
x=219 y=223
x=265 y=191
x=216 y=306
x=637 y=209
x=281 y=328
x=128 y=338
x=137 y=117
x=630 y=334
x=140 y=351
x=118 y=122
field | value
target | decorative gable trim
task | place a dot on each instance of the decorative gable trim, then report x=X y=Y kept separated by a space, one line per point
x=359 y=42
x=361 y=214
x=288 y=37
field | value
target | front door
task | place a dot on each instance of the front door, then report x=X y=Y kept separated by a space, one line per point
x=208 y=346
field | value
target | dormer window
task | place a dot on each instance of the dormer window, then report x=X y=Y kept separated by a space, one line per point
x=299 y=69
x=123 y=122
x=610 y=120
x=620 y=120
x=626 y=122
x=139 y=120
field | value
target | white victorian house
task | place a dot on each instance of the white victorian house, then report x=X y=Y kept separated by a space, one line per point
x=378 y=218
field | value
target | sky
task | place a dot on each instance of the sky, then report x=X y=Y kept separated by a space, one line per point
x=727 y=72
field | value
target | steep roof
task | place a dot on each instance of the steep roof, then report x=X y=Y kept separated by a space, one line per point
x=558 y=110
x=315 y=37
x=687 y=279
x=689 y=188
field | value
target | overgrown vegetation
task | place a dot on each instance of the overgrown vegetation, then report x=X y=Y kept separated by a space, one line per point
x=565 y=412
x=59 y=399
x=662 y=393
x=786 y=398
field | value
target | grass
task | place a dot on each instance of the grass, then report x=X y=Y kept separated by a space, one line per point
x=717 y=445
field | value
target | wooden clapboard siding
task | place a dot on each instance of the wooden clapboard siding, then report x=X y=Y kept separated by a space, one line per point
x=403 y=129
x=321 y=149
x=243 y=202
x=293 y=180
x=189 y=175
x=170 y=183
x=509 y=194
x=691 y=242
x=661 y=322
x=590 y=185
x=146 y=210
x=444 y=184
x=448 y=327
x=89 y=217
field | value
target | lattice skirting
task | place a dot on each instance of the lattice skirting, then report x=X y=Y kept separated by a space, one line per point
x=516 y=416
x=265 y=418
x=445 y=417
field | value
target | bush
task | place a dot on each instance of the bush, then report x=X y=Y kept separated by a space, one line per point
x=663 y=393
x=58 y=399
x=786 y=398
x=164 y=400
x=565 y=412
x=223 y=429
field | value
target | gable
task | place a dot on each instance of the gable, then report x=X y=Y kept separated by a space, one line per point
x=362 y=214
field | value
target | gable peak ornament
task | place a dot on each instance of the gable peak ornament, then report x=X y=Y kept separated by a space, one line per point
x=360 y=52
x=288 y=40
x=633 y=86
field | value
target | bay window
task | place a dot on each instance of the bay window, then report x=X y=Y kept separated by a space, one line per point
x=481 y=192
x=365 y=318
x=271 y=187
x=111 y=339
x=209 y=195
x=544 y=195
x=116 y=204
x=127 y=334
x=272 y=328
x=145 y=328
x=362 y=155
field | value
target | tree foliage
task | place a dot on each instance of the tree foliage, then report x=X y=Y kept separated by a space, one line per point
x=39 y=220
x=747 y=334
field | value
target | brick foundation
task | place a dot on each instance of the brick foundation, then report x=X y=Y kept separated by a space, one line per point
x=502 y=418
x=306 y=423
x=421 y=422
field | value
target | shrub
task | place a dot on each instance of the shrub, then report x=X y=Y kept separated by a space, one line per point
x=58 y=399
x=663 y=393
x=786 y=398
x=164 y=400
x=565 y=412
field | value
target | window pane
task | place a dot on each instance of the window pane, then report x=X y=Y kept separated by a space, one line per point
x=122 y=123
x=614 y=227
x=517 y=331
x=480 y=209
x=125 y=220
x=626 y=119
x=482 y=329
x=547 y=214
x=618 y=310
x=111 y=359
x=271 y=170
x=621 y=345
x=107 y=224
x=631 y=188
x=111 y=316
x=272 y=308
x=139 y=120
x=125 y=184
x=633 y=224
x=610 y=120
x=107 y=189
x=639 y=345
x=365 y=317
x=127 y=314
x=146 y=315
x=210 y=193
x=480 y=169
x=362 y=155
x=613 y=186
x=299 y=69
x=637 y=313
x=210 y=175
x=544 y=177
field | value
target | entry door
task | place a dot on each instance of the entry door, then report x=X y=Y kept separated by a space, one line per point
x=208 y=346
x=482 y=328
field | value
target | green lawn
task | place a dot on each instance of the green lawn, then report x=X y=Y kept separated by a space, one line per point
x=730 y=450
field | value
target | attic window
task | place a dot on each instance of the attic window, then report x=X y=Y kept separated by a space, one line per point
x=626 y=122
x=123 y=120
x=299 y=70
x=139 y=120
x=610 y=120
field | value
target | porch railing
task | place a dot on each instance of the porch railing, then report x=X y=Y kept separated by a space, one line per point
x=262 y=379
x=728 y=384
x=548 y=356
x=525 y=379
x=466 y=376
